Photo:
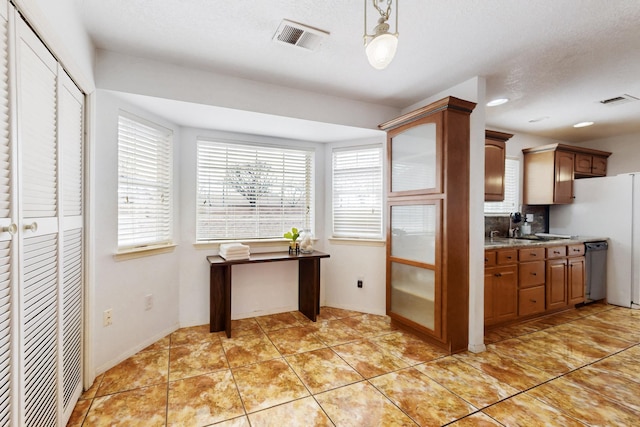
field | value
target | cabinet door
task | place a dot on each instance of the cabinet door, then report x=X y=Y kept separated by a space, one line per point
x=583 y=163
x=556 y=284
x=494 y=158
x=563 y=187
x=576 y=280
x=599 y=166
x=501 y=294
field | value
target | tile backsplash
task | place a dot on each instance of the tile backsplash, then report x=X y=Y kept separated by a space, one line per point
x=501 y=224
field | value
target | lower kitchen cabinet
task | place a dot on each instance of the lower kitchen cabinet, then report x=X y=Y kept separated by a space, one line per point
x=500 y=294
x=531 y=301
x=557 y=284
x=576 y=277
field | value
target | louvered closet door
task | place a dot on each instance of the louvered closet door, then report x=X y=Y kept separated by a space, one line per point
x=70 y=143
x=7 y=217
x=36 y=72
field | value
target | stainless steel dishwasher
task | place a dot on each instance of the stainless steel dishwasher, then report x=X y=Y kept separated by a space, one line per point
x=596 y=270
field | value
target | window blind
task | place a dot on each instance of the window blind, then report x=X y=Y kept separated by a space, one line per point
x=357 y=192
x=144 y=182
x=252 y=192
x=511 y=190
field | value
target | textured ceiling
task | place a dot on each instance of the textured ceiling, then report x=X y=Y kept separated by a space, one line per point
x=552 y=58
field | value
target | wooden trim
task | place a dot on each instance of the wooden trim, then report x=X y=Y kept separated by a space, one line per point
x=448 y=103
x=565 y=147
x=497 y=136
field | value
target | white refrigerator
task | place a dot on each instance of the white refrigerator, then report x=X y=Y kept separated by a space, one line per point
x=608 y=207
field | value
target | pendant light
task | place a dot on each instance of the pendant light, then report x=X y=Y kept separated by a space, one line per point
x=381 y=46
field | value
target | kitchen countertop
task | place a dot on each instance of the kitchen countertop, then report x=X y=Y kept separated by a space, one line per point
x=505 y=242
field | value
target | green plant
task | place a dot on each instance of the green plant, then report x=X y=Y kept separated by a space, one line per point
x=292 y=235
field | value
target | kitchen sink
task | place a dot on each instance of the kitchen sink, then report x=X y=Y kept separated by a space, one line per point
x=540 y=238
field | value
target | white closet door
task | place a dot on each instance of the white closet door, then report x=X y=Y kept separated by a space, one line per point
x=7 y=216
x=36 y=72
x=70 y=143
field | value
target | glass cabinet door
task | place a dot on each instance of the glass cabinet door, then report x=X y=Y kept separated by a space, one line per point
x=414 y=231
x=414 y=160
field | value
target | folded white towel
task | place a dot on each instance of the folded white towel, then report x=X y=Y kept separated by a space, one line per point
x=234 y=257
x=229 y=247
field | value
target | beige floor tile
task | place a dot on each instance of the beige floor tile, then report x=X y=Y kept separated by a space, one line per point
x=192 y=360
x=143 y=407
x=424 y=400
x=339 y=313
x=267 y=384
x=79 y=413
x=302 y=412
x=525 y=352
x=611 y=327
x=469 y=383
x=203 y=400
x=322 y=370
x=596 y=307
x=277 y=321
x=193 y=335
x=615 y=387
x=334 y=332
x=524 y=410
x=140 y=370
x=295 y=340
x=161 y=344
x=624 y=364
x=369 y=359
x=243 y=327
x=360 y=404
x=507 y=370
x=584 y=404
x=369 y=324
x=476 y=420
x=407 y=347
x=575 y=331
x=249 y=349
x=236 y=422
x=573 y=351
x=90 y=393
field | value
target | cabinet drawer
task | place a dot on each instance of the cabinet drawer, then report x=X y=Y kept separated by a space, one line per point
x=531 y=254
x=556 y=252
x=575 y=250
x=531 y=274
x=531 y=301
x=509 y=256
x=489 y=258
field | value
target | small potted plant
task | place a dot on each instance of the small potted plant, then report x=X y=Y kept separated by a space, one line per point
x=293 y=237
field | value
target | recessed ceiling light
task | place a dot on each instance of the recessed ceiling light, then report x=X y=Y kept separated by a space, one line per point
x=496 y=102
x=539 y=119
x=582 y=124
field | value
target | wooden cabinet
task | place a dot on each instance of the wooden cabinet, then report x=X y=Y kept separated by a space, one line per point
x=428 y=205
x=576 y=280
x=549 y=172
x=556 y=284
x=494 y=161
x=501 y=287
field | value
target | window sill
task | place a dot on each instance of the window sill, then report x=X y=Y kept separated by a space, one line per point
x=356 y=242
x=127 y=254
x=256 y=243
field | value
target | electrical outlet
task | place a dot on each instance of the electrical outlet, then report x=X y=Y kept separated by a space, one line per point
x=529 y=217
x=148 y=302
x=360 y=282
x=107 y=317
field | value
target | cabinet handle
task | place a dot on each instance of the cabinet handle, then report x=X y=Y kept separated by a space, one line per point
x=534 y=274
x=534 y=301
x=11 y=229
x=33 y=226
x=534 y=254
x=508 y=257
x=498 y=274
x=556 y=252
x=575 y=250
x=486 y=260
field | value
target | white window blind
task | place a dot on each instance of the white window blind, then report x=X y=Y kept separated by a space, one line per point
x=252 y=192
x=511 y=190
x=357 y=192
x=144 y=182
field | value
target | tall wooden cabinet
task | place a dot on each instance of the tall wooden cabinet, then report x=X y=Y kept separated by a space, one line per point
x=494 y=164
x=41 y=236
x=428 y=226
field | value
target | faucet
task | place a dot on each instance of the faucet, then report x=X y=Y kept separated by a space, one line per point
x=493 y=233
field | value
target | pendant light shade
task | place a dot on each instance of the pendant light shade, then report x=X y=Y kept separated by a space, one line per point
x=381 y=50
x=381 y=46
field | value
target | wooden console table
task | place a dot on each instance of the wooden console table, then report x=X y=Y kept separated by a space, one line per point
x=220 y=285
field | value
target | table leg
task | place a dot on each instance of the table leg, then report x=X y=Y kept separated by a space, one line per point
x=309 y=287
x=220 y=299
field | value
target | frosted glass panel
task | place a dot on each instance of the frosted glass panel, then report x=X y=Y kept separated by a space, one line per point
x=413 y=293
x=413 y=159
x=413 y=232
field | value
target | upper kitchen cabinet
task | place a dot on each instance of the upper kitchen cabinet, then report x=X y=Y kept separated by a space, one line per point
x=549 y=171
x=428 y=226
x=494 y=157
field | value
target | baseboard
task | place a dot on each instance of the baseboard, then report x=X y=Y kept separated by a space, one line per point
x=477 y=348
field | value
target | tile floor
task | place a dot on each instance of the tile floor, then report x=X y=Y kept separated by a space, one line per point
x=581 y=367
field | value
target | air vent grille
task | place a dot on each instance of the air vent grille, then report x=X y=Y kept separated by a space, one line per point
x=617 y=100
x=299 y=35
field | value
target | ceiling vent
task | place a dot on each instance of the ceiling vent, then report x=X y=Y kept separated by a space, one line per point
x=617 y=100
x=299 y=35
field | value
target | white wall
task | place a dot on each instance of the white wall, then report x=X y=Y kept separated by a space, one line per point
x=258 y=289
x=122 y=285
